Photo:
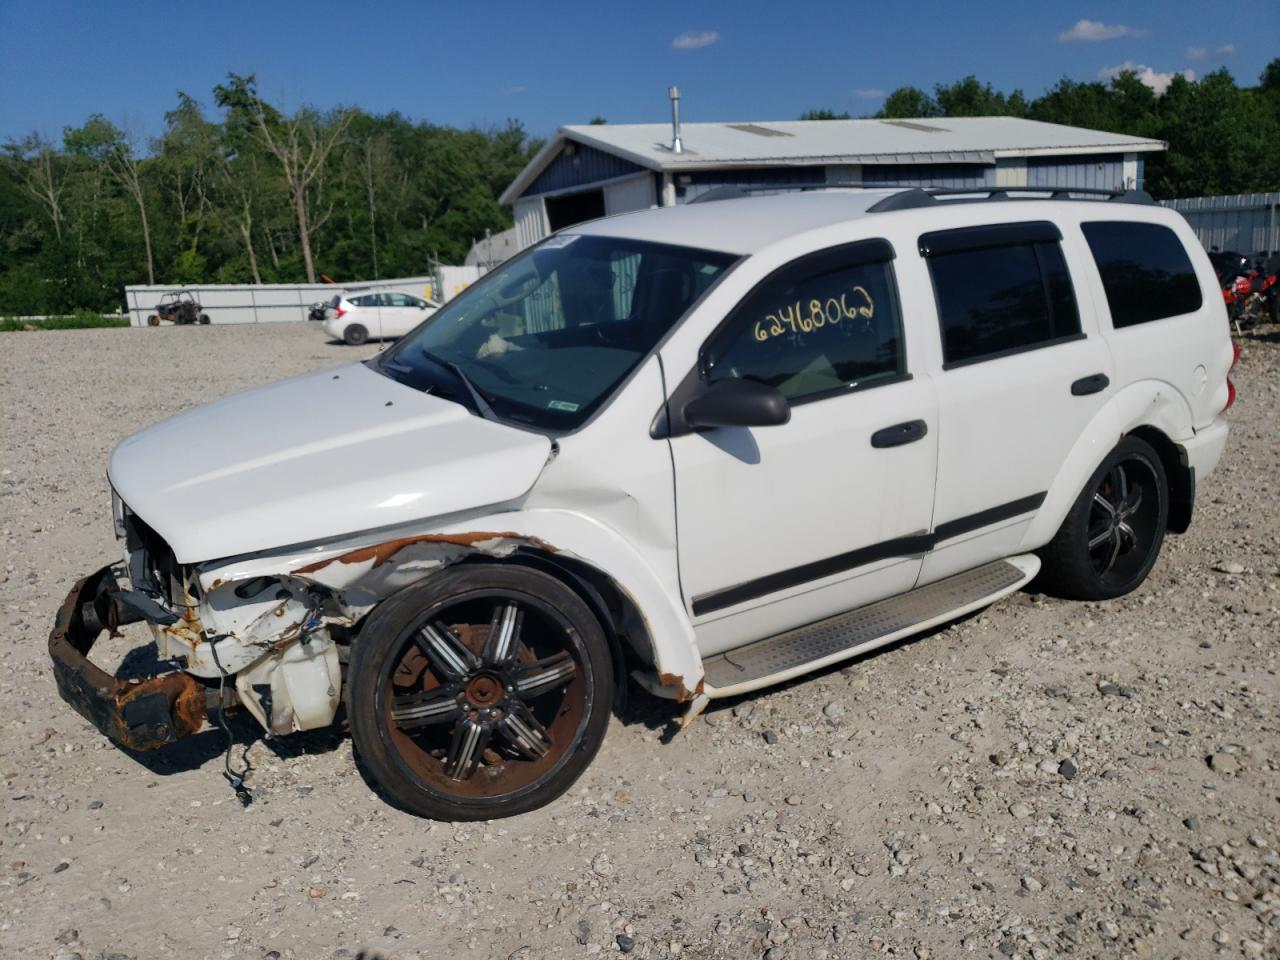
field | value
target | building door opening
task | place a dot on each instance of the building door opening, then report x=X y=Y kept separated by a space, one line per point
x=564 y=211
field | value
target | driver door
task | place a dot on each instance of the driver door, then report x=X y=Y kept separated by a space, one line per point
x=780 y=526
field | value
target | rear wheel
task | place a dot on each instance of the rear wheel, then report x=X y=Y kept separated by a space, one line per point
x=355 y=334
x=1111 y=538
x=204 y=318
x=484 y=691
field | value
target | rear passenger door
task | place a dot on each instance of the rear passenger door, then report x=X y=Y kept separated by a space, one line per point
x=1021 y=377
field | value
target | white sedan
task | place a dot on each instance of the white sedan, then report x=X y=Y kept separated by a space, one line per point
x=354 y=319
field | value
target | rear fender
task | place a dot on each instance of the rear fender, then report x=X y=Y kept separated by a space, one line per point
x=1147 y=403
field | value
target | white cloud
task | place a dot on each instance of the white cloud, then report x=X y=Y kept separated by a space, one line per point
x=694 y=40
x=512 y=91
x=1092 y=31
x=1159 y=82
x=869 y=93
x=1199 y=53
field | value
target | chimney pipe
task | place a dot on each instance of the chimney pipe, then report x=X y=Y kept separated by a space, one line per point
x=676 y=145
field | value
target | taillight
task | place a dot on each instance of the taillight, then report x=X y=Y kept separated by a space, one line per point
x=1231 y=387
x=338 y=313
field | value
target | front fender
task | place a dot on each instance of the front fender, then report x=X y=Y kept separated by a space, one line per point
x=1152 y=403
x=366 y=569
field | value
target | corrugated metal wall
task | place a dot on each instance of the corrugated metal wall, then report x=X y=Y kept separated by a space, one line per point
x=634 y=193
x=703 y=181
x=1246 y=223
x=578 y=165
x=1102 y=172
x=930 y=174
x=530 y=215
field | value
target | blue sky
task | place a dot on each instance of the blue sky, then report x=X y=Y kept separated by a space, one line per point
x=548 y=64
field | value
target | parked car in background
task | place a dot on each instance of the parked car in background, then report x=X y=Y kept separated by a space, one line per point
x=379 y=316
x=710 y=447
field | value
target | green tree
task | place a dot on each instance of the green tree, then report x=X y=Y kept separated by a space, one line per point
x=907 y=103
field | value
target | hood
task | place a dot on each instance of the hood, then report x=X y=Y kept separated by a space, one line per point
x=323 y=455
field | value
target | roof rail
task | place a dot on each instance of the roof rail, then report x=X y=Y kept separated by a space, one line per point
x=911 y=196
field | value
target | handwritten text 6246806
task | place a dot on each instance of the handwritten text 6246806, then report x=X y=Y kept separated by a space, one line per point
x=794 y=318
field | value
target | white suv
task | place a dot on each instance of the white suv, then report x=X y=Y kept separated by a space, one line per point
x=355 y=318
x=708 y=448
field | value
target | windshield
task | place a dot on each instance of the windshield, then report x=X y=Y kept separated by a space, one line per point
x=545 y=338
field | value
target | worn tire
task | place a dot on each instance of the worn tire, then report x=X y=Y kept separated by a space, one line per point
x=204 y=318
x=1070 y=569
x=355 y=335
x=376 y=654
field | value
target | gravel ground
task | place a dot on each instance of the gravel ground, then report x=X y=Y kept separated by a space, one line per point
x=1043 y=778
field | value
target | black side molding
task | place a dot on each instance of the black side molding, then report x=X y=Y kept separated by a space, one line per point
x=1092 y=384
x=908 y=546
x=899 y=434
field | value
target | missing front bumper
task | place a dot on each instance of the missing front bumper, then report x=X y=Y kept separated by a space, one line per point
x=137 y=715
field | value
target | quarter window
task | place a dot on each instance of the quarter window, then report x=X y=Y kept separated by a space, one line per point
x=827 y=323
x=1145 y=271
x=1001 y=297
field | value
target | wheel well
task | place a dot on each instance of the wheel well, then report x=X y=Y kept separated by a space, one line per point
x=623 y=623
x=1182 y=479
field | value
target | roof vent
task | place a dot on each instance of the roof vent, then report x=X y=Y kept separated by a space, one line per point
x=674 y=93
x=922 y=127
x=758 y=130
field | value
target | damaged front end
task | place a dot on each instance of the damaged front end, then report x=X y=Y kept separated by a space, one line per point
x=140 y=715
x=268 y=630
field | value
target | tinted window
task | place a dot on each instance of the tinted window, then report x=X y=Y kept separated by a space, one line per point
x=814 y=328
x=1145 y=271
x=1002 y=299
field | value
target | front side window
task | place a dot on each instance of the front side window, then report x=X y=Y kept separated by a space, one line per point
x=1010 y=293
x=1145 y=271
x=825 y=324
x=546 y=338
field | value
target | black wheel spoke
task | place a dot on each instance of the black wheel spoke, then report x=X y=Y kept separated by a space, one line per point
x=504 y=634
x=521 y=729
x=1100 y=501
x=448 y=656
x=1114 y=553
x=412 y=711
x=1099 y=536
x=466 y=749
x=544 y=675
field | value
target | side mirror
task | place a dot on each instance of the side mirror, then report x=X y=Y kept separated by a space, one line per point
x=738 y=403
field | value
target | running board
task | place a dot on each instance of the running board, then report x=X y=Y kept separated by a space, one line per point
x=786 y=655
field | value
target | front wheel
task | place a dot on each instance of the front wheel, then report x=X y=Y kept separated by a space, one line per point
x=483 y=691
x=1112 y=536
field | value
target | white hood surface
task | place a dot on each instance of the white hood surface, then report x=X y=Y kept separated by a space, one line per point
x=323 y=455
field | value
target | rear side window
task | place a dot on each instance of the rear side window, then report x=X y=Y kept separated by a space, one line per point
x=1000 y=290
x=1145 y=271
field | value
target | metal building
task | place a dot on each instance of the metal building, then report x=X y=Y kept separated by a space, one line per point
x=1247 y=223
x=585 y=172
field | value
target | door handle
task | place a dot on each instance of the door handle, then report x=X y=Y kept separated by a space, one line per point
x=1092 y=384
x=900 y=433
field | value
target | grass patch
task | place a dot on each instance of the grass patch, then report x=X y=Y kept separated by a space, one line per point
x=80 y=320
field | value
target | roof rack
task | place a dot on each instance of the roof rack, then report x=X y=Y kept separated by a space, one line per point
x=913 y=196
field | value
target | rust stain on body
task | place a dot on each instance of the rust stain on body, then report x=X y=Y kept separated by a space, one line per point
x=139 y=716
x=380 y=553
x=683 y=693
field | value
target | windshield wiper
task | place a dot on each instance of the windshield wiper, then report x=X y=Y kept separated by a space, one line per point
x=478 y=398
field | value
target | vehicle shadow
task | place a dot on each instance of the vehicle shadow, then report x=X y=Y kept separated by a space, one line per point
x=209 y=743
x=656 y=713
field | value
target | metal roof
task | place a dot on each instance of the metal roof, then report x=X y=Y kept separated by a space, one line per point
x=802 y=142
